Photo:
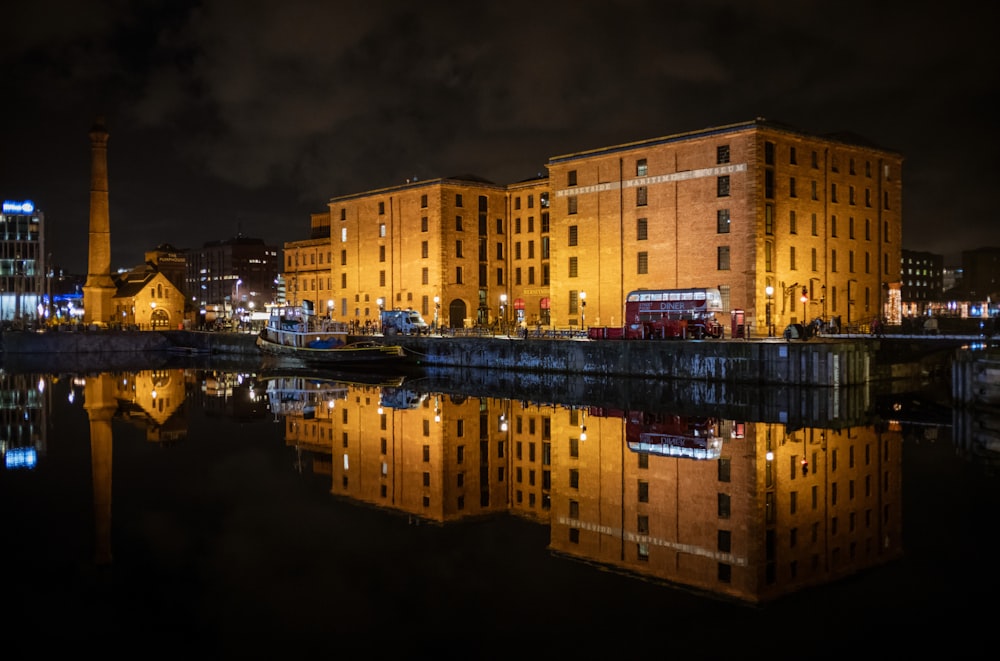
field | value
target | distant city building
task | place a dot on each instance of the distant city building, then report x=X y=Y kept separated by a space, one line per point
x=951 y=278
x=235 y=274
x=748 y=208
x=922 y=281
x=981 y=273
x=24 y=294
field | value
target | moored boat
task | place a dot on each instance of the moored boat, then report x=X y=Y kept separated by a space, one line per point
x=293 y=331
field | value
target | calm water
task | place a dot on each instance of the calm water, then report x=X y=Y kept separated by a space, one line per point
x=221 y=513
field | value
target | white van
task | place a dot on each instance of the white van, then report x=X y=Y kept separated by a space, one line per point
x=404 y=322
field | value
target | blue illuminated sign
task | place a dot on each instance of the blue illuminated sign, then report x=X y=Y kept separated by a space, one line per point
x=10 y=206
x=21 y=458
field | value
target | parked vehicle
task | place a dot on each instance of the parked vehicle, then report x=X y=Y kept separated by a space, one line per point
x=669 y=313
x=404 y=322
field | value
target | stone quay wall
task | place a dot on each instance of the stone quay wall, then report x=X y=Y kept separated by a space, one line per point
x=814 y=363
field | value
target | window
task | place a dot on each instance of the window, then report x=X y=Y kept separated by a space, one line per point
x=571 y=178
x=458 y=275
x=722 y=186
x=641 y=169
x=641 y=229
x=458 y=223
x=791 y=258
x=792 y=229
x=642 y=266
x=572 y=235
x=643 y=491
x=723 y=258
x=722 y=154
x=769 y=219
x=381 y=253
x=769 y=184
x=381 y=208
x=791 y=187
x=722 y=221
x=423 y=224
x=424 y=249
x=572 y=267
x=458 y=199
x=423 y=201
x=792 y=156
x=458 y=249
x=499 y=250
x=833 y=226
x=815 y=190
x=571 y=205
x=724 y=505
x=769 y=153
x=833 y=193
x=641 y=196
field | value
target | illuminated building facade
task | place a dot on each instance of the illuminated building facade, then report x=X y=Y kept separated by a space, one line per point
x=23 y=283
x=790 y=226
x=744 y=208
x=922 y=281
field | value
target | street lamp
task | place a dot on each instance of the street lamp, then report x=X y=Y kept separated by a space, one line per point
x=239 y=282
x=583 y=310
x=503 y=310
x=437 y=309
x=329 y=308
x=804 y=299
x=769 y=291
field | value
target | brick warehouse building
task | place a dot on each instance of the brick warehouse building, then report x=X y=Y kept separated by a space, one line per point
x=742 y=207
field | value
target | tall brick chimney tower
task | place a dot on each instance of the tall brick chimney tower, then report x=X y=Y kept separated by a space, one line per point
x=99 y=289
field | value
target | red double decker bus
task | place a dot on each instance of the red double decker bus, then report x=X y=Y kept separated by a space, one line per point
x=673 y=313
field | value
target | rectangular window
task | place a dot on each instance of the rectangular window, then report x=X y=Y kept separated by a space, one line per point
x=792 y=229
x=571 y=205
x=791 y=187
x=424 y=224
x=815 y=190
x=571 y=178
x=424 y=276
x=723 y=258
x=769 y=184
x=722 y=186
x=640 y=196
x=458 y=199
x=722 y=221
x=572 y=267
x=642 y=266
x=381 y=253
x=572 y=235
x=769 y=219
x=499 y=250
x=641 y=169
x=424 y=249
x=815 y=225
x=769 y=153
x=792 y=156
x=458 y=223
x=791 y=258
x=641 y=229
x=458 y=249
x=722 y=154
x=423 y=201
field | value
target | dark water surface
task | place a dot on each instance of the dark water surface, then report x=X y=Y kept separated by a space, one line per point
x=206 y=513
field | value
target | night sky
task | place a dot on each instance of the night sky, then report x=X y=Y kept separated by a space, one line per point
x=246 y=116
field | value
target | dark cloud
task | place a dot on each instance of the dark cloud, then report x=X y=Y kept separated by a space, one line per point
x=233 y=115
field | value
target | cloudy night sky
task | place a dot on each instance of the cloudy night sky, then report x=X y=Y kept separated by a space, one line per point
x=246 y=116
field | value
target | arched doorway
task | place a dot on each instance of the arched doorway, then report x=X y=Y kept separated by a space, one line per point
x=518 y=312
x=457 y=311
x=159 y=319
x=544 y=316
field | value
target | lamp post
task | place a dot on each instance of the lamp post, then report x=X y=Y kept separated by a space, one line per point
x=329 y=309
x=437 y=309
x=583 y=310
x=239 y=282
x=769 y=291
x=849 y=301
x=381 y=303
x=804 y=299
x=503 y=311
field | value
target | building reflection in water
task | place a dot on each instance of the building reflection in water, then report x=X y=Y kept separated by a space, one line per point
x=742 y=509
